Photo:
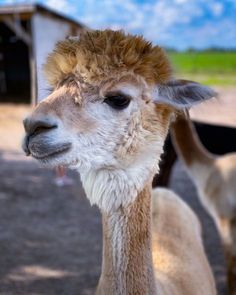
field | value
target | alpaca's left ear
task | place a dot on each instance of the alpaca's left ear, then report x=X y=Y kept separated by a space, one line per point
x=181 y=93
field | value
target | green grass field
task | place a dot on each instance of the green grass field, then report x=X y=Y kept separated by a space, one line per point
x=212 y=68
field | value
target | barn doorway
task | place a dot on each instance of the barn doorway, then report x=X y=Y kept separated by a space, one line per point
x=14 y=67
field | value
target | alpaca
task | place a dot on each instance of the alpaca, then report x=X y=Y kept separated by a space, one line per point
x=108 y=117
x=215 y=179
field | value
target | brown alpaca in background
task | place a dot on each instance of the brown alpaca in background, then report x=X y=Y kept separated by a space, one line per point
x=215 y=179
x=108 y=117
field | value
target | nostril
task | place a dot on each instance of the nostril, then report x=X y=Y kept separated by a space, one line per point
x=42 y=129
x=35 y=127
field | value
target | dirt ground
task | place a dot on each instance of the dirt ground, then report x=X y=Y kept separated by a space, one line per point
x=220 y=110
x=50 y=237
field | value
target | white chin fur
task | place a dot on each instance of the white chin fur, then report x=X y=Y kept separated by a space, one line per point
x=110 y=189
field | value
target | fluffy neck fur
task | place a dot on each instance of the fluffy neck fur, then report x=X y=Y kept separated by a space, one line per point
x=111 y=189
x=124 y=197
x=127 y=258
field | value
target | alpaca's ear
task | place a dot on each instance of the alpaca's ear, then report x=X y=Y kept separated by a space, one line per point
x=182 y=93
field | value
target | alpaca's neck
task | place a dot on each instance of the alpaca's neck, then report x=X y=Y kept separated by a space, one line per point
x=188 y=143
x=197 y=159
x=127 y=259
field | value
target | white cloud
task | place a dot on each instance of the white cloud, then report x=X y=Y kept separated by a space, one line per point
x=63 y=6
x=181 y=1
x=217 y=8
x=167 y=22
x=145 y=18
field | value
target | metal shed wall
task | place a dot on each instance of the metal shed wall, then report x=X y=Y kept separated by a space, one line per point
x=46 y=31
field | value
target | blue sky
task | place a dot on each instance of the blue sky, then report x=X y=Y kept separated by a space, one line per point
x=174 y=23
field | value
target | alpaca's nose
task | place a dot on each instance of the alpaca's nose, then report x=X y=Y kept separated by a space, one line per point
x=36 y=126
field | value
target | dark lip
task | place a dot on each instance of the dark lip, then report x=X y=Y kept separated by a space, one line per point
x=64 y=148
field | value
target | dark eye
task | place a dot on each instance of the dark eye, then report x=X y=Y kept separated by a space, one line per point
x=118 y=102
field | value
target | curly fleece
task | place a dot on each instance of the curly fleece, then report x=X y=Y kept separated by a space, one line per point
x=98 y=55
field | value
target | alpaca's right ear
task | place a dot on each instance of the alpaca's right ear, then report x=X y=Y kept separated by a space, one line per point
x=181 y=94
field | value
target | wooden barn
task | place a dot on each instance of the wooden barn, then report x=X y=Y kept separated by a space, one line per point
x=28 y=32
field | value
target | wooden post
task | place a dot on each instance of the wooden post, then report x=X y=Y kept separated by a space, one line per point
x=32 y=76
x=16 y=27
x=33 y=72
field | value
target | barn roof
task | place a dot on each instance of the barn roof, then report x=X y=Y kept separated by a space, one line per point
x=27 y=10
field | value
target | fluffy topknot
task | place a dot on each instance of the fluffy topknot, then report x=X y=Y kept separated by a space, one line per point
x=97 y=55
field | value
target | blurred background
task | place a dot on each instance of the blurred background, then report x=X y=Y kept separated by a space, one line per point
x=50 y=237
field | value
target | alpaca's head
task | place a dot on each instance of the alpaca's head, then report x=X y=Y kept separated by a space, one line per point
x=110 y=106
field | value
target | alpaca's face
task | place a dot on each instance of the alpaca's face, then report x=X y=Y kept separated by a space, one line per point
x=111 y=125
x=109 y=113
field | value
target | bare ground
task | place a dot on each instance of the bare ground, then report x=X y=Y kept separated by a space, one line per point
x=219 y=111
x=50 y=237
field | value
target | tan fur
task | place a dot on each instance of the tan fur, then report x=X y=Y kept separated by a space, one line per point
x=117 y=154
x=180 y=265
x=191 y=150
x=215 y=178
x=136 y=273
x=98 y=55
x=178 y=252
